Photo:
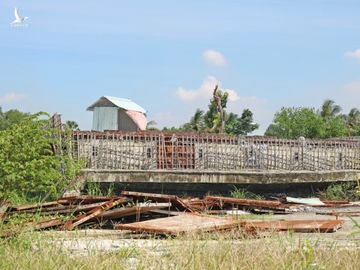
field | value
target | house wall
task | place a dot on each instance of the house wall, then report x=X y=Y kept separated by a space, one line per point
x=105 y=118
x=125 y=123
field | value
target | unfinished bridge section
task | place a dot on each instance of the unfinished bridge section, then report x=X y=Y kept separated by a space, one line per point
x=212 y=158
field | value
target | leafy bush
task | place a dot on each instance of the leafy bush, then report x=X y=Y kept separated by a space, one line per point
x=341 y=191
x=30 y=165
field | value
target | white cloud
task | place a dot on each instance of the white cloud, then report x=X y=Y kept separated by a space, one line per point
x=199 y=98
x=205 y=91
x=10 y=98
x=353 y=54
x=214 y=58
x=232 y=95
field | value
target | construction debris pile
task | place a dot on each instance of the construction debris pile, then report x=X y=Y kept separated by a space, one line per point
x=170 y=215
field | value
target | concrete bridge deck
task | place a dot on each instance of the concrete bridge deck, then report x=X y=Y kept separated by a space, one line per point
x=196 y=183
x=216 y=177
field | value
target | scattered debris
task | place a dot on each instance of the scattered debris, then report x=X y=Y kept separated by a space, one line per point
x=250 y=204
x=179 y=204
x=306 y=201
x=169 y=214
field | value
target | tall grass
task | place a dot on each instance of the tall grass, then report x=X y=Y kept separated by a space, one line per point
x=215 y=251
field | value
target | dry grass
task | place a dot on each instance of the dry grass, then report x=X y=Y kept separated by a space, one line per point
x=226 y=251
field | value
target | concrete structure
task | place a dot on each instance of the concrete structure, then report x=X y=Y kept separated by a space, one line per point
x=198 y=163
x=111 y=113
x=216 y=177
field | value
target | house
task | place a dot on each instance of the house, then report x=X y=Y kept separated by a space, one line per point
x=112 y=113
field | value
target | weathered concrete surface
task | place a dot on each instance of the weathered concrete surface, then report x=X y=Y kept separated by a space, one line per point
x=217 y=177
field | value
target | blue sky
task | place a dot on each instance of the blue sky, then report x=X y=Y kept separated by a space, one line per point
x=166 y=55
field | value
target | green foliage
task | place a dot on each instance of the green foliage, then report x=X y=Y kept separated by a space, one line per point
x=210 y=121
x=212 y=117
x=243 y=125
x=11 y=117
x=241 y=193
x=342 y=191
x=94 y=189
x=356 y=226
x=72 y=125
x=296 y=122
x=328 y=122
x=308 y=253
x=29 y=164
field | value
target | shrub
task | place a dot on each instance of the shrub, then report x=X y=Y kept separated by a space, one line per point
x=30 y=165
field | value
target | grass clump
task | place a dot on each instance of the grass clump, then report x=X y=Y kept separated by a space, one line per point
x=95 y=189
x=241 y=193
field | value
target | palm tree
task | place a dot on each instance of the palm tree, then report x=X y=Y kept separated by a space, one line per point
x=72 y=125
x=197 y=121
x=329 y=109
x=353 y=120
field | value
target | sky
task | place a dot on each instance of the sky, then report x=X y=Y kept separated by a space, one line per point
x=168 y=55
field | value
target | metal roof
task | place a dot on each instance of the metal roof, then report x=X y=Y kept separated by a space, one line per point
x=123 y=103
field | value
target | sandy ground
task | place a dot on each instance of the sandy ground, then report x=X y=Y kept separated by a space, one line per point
x=85 y=242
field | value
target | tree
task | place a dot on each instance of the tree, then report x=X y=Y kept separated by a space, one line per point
x=11 y=117
x=247 y=124
x=151 y=125
x=217 y=120
x=294 y=122
x=329 y=109
x=353 y=121
x=214 y=117
x=240 y=125
x=196 y=122
x=72 y=125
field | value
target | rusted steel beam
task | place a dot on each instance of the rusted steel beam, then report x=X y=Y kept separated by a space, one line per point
x=333 y=202
x=70 y=225
x=185 y=223
x=263 y=204
x=34 y=225
x=134 y=210
x=303 y=226
x=175 y=201
x=35 y=206
x=341 y=213
x=61 y=209
x=85 y=199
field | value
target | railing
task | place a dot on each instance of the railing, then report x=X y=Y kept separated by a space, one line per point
x=209 y=152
